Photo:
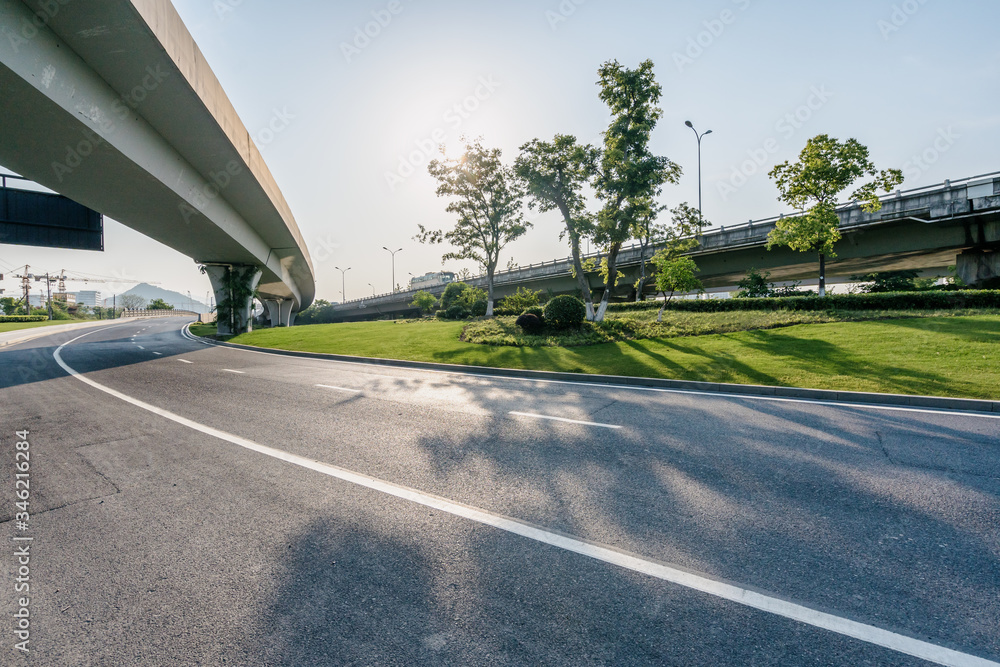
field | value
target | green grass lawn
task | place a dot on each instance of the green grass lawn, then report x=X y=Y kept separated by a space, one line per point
x=15 y=326
x=941 y=356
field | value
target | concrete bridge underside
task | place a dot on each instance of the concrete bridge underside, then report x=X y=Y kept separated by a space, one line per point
x=112 y=104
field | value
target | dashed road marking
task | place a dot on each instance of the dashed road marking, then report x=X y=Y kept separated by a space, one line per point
x=185 y=361
x=326 y=386
x=563 y=419
x=229 y=370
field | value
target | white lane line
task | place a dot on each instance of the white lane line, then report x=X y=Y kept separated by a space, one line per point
x=159 y=354
x=141 y=347
x=326 y=386
x=660 y=390
x=562 y=419
x=844 y=626
x=227 y=370
x=185 y=361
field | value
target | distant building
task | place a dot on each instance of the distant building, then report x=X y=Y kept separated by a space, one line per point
x=89 y=298
x=432 y=279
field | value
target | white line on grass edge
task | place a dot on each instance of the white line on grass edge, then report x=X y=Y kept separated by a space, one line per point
x=625 y=387
x=749 y=598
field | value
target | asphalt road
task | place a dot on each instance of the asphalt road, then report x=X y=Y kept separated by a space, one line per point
x=195 y=504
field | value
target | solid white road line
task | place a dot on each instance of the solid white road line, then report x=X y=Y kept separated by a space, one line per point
x=623 y=387
x=227 y=370
x=326 y=386
x=726 y=591
x=141 y=347
x=159 y=354
x=562 y=419
x=185 y=361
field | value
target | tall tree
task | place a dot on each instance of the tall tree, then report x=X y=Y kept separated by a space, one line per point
x=629 y=177
x=555 y=173
x=487 y=200
x=826 y=167
x=674 y=238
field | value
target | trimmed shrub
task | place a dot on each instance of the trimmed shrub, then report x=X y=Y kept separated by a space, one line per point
x=931 y=300
x=477 y=308
x=564 y=312
x=530 y=323
x=23 y=318
x=456 y=311
x=452 y=293
x=537 y=311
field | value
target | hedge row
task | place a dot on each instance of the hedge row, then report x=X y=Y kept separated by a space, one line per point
x=931 y=300
x=23 y=318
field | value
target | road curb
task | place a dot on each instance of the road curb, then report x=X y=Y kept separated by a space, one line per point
x=832 y=396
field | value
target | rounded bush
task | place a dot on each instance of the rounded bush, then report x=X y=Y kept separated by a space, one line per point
x=530 y=323
x=478 y=308
x=564 y=312
x=537 y=312
x=456 y=311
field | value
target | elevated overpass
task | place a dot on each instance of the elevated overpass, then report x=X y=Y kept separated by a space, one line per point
x=956 y=223
x=112 y=104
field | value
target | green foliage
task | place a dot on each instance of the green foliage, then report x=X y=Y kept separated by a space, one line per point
x=486 y=198
x=675 y=274
x=826 y=167
x=755 y=285
x=530 y=323
x=451 y=293
x=236 y=285
x=24 y=318
x=555 y=174
x=159 y=304
x=931 y=300
x=423 y=300
x=888 y=281
x=456 y=311
x=537 y=311
x=11 y=306
x=628 y=177
x=520 y=300
x=564 y=312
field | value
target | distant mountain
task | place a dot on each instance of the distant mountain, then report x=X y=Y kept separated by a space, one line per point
x=175 y=299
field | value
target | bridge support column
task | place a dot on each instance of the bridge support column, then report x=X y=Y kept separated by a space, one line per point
x=978 y=267
x=233 y=283
x=279 y=311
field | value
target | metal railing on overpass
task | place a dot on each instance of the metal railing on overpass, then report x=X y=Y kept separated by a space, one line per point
x=157 y=312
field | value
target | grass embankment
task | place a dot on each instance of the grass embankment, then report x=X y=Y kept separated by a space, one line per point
x=954 y=355
x=15 y=326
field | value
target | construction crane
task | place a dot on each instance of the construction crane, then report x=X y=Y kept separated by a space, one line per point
x=27 y=277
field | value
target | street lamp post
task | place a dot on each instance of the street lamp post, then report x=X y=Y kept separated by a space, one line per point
x=343 y=282
x=373 y=289
x=393 y=253
x=699 y=136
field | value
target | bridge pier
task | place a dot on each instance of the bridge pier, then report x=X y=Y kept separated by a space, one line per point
x=279 y=311
x=978 y=267
x=223 y=277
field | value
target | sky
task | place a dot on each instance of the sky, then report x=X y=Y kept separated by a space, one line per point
x=361 y=91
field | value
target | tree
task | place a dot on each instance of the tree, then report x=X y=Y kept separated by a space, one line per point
x=628 y=177
x=487 y=200
x=826 y=167
x=755 y=285
x=131 y=301
x=160 y=304
x=555 y=173
x=10 y=305
x=675 y=238
x=423 y=300
x=674 y=274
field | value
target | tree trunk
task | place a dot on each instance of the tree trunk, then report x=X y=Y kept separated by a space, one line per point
x=609 y=283
x=822 y=274
x=489 y=290
x=581 y=277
